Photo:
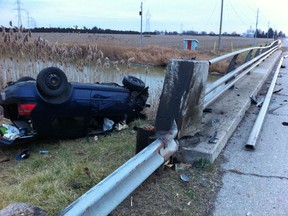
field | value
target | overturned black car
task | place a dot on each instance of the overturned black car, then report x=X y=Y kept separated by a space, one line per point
x=52 y=107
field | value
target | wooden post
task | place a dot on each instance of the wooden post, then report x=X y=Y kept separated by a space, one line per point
x=182 y=97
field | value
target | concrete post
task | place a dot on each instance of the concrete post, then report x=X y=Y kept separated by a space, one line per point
x=182 y=97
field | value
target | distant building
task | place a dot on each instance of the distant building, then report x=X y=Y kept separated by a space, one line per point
x=249 y=33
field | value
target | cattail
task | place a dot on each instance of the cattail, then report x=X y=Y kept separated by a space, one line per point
x=10 y=23
x=117 y=68
x=29 y=33
x=131 y=59
x=106 y=65
x=3 y=31
x=7 y=38
x=101 y=54
x=25 y=39
x=98 y=62
x=106 y=59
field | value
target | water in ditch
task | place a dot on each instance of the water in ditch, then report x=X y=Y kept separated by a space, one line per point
x=153 y=77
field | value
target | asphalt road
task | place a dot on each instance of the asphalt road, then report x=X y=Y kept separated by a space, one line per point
x=256 y=182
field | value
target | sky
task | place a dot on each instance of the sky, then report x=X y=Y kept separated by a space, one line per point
x=160 y=15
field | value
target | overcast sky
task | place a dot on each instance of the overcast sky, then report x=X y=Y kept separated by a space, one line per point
x=170 y=15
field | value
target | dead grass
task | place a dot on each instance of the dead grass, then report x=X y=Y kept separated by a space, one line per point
x=71 y=167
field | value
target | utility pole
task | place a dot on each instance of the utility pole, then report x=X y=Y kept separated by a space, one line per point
x=141 y=14
x=220 y=28
x=28 y=20
x=255 y=35
x=268 y=31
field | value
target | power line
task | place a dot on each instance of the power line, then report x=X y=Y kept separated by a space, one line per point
x=19 y=9
x=236 y=13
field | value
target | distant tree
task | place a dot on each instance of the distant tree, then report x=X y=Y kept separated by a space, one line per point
x=234 y=33
x=275 y=34
x=281 y=34
x=270 y=33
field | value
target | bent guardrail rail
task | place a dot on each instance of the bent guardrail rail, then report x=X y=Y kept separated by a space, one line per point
x=216 y=89
x=111 y=191
x=253 y=137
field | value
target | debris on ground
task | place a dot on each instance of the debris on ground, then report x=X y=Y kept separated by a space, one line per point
x=9 y=132
x=23 y=155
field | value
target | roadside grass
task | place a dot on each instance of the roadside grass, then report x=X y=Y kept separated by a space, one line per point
x=54 y=180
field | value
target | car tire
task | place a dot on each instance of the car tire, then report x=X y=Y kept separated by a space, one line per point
x=52 y=82
x=133 y=83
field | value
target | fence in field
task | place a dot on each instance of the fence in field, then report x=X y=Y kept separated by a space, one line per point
x=184 y=92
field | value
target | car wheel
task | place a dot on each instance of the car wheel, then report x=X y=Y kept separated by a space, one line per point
x=133 y=83
x=25 y=78
x=52 y=81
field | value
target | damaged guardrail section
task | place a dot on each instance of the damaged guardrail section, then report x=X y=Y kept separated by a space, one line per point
x=110 y=192
x=181 y=105
x=183 y=99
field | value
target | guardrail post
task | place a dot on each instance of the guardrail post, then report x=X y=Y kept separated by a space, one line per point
x=258 y=52
x=182 y=97
x=248 y=56
x=232 y=64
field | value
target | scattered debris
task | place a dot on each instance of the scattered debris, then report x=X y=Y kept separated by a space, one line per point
x=208 y=110
x=23 y=155
x=213 y=138
x=182 y=166
x=9 y=131
x=283 y=66
x=260 y=102
x=184 y=177
x=257 y=101
x=277 y=91
x=108 y=124
x=253 y=99
x=285 y=123
x=131 y=201
x=168 y=164
x=121 y=126
x=95 y=138
x=43 y=152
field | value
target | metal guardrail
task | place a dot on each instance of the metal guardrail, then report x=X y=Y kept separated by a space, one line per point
x=110 y=192
x=217 y=88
